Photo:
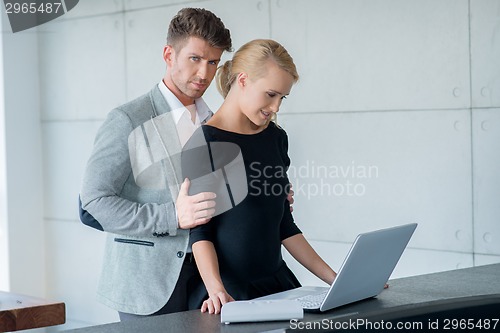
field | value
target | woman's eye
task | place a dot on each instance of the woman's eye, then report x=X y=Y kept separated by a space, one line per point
x=271 y=94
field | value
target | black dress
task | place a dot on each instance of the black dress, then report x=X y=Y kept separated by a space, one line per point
x=247 y=238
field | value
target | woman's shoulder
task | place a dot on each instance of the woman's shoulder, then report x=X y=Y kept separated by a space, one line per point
x=211 y=133
x=277 y=130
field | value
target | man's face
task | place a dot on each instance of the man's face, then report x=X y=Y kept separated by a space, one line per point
x=190 y=68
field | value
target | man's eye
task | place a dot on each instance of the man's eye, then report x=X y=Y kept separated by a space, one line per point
x=212 y=62
x=195 y=58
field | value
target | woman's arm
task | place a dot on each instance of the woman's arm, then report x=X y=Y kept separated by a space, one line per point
x=302 y=251
x=206 y=260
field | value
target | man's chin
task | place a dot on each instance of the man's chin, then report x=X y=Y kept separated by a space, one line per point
x=197 y=94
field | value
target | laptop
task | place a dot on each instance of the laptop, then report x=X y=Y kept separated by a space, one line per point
x=363 y=274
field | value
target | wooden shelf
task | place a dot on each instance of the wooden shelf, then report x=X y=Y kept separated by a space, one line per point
x=20 y=312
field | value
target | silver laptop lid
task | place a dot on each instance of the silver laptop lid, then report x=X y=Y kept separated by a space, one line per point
x=368 y=265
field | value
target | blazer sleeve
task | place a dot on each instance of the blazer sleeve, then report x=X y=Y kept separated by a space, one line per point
x=106 y=174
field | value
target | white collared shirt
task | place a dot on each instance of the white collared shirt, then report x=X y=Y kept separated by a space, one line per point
x=182 y=116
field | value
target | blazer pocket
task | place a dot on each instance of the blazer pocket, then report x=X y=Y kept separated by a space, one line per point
x=134 y=241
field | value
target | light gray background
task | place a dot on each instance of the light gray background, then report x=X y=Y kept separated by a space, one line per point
x=410 y=88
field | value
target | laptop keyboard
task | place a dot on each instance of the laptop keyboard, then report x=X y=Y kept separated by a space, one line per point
x=312 y=301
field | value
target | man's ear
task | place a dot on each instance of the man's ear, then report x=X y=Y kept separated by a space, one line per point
x=242 y=79
x=168 y=54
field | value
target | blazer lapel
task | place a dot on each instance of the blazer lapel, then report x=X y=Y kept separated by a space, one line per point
x=165 y=128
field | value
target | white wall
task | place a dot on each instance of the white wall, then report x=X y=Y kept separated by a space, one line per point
x=407 y=89
x=22 y=228
x=4 y=246
x=410 y=88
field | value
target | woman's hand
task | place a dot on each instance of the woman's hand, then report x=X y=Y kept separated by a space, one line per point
x=206 y=260
x=215 y=302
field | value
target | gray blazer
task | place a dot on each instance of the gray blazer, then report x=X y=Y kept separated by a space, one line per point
x=144 y=248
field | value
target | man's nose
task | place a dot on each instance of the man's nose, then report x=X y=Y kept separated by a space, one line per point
x=202 y=71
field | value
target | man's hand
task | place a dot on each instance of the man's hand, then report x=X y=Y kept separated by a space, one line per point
x=215 y=302
x=195 y=209
x=290 y=197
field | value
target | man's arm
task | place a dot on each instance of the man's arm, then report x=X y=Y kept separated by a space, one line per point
x=87 y=218
x=105 y=176
x=104 y=203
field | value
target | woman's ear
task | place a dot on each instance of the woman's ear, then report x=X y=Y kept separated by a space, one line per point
x=242 y=79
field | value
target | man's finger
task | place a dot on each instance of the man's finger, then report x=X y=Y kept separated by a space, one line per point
x=290 y=196
x=203 y=196
x=200 y=221
x=184 y=190
x=202 y=214
x=204 y=205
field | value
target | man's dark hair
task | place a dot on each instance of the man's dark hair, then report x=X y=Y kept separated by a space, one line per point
x=201 y=23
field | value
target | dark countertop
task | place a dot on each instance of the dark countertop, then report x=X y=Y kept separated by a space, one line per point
x=403 y=295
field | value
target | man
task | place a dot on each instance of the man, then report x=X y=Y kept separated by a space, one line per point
x=132 y=187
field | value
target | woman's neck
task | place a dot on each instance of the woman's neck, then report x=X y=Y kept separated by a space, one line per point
x=230 y=118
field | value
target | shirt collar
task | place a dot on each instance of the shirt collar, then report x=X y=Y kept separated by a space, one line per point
x=178 y=109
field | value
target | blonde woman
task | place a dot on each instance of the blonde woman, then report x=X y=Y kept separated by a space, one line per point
x=238 y=253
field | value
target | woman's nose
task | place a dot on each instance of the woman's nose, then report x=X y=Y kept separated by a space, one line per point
x=275 y=107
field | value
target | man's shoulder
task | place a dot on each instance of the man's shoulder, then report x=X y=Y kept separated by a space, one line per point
x=137 y=103
x=138 y=109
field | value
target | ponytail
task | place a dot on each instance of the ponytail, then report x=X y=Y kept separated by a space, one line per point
x=225 y=78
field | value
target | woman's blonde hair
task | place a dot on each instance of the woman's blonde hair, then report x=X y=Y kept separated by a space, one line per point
x=251 y=59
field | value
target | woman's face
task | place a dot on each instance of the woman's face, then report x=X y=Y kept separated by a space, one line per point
x=261 y=98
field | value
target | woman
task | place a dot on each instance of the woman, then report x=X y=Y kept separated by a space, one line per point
x=238 y=253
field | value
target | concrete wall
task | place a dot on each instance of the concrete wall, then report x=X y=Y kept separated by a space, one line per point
x=396 y=119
